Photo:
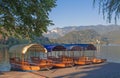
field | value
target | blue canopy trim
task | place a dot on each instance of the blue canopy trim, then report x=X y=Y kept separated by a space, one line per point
x=49 y=47
x=69 y=47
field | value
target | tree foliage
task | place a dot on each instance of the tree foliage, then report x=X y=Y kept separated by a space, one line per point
x=83 y=36
x=109 y=8
x=25 y=18
x=41 y=40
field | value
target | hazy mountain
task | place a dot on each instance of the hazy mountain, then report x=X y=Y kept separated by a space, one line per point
x=60 y=32
x=113 y=36
x=83 y=36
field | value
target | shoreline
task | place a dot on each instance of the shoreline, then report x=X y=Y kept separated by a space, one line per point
x=103 y=70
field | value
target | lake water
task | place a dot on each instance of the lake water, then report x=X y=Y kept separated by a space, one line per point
x=4 y=61
x=109 y=52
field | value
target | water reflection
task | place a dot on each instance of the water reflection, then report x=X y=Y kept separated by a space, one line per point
x=110 y=52
x=4 y=59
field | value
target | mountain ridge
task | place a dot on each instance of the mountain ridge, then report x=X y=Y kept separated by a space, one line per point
x=59 y=32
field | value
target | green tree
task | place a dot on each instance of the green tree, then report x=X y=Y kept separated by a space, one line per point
x=12 y=41
x=109 y=8
x=41 y=40
x=25 y=18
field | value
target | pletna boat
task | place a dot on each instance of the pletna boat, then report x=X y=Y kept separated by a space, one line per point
x=20 y=56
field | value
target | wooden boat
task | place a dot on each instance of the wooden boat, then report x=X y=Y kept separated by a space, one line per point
x=64 y=61
x=22 y=65
x=81 y=59
x=59 y=59
x=94 y=59
x=42 y=63
x=19 y=56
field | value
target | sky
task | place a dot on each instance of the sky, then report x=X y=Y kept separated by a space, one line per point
x=76 y=13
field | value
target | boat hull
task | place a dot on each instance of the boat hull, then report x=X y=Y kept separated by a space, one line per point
x=24 y=67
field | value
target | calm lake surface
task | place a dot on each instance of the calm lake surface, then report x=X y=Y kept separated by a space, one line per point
x=109 y=52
